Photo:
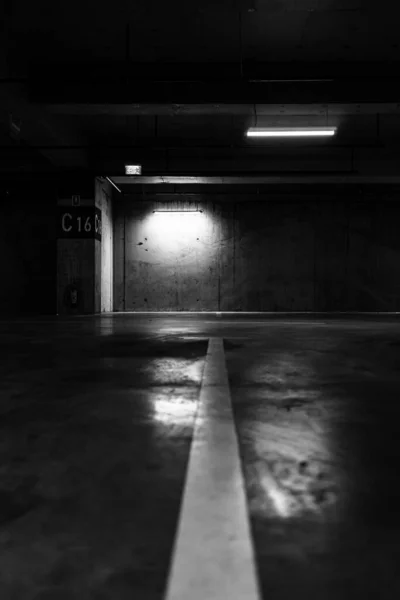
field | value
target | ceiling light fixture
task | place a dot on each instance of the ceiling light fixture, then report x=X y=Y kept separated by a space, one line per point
x=291 y=132
x=133 y=169
x=177 y=211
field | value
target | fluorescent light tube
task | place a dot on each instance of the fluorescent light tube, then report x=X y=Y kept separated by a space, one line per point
x=291 y=132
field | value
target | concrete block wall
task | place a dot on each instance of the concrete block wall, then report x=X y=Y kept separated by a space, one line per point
x=290 y=253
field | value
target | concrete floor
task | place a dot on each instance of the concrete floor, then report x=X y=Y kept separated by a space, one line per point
x=97 y=418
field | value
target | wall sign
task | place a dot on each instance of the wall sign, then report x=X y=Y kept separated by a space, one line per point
x=77 y=223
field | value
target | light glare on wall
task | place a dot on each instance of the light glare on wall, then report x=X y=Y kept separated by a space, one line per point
x=133 y=169
x=291 y=132
x=173 y=228
x=179 y=242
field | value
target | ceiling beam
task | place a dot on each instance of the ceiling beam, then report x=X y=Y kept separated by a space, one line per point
x=222 y=92
x=256 y=180
x=115 y=71
x=138 y=109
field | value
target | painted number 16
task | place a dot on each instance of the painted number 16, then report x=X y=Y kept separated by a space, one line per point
x=87 y=225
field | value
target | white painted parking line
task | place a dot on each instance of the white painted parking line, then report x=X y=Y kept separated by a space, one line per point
x=213 y=556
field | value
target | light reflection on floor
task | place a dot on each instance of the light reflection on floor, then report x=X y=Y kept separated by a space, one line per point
x=176 y=410
x=289 y=437
x=163 y=370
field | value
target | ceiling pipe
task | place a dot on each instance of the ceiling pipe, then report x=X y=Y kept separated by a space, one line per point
x=114 y=185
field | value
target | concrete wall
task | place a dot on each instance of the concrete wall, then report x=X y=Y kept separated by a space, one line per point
x=104 y=249
x=75 y=266
x=87 y=264
x=284 y=253
x=27 y=251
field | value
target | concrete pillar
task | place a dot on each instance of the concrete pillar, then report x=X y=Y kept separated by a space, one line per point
x=104 y=248
x=85 y=247
x=79 y=234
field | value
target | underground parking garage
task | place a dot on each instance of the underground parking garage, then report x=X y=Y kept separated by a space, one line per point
x=199 y=301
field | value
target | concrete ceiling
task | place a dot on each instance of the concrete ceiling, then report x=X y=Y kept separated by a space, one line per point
x=173 y=85
x=207 y=31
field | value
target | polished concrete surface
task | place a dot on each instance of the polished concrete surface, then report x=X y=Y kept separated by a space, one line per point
x=97 y=418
